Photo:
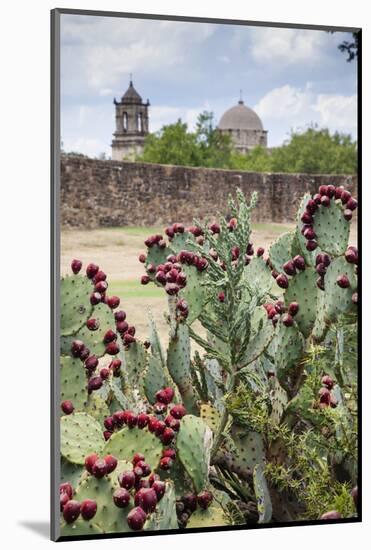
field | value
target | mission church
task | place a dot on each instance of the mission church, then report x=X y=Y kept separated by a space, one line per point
x=240 y=122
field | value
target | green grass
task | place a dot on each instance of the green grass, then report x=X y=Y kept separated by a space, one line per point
x=275 y=228
x=137 y=231
x=133 y=289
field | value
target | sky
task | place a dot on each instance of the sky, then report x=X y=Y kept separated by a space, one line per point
x=291 y=77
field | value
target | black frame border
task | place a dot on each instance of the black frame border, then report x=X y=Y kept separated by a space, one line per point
x=55 y=265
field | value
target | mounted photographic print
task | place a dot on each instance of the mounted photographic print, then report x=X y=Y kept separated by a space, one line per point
x=205 y=363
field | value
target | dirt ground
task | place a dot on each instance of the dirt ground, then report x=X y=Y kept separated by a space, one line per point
x=116 y=251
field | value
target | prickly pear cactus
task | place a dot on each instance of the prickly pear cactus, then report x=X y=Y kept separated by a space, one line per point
x=249 y=415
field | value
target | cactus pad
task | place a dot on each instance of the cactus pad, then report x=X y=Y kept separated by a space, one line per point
x=258 y=276
x=331 y=228
x=154 y=378
x=73 y=381
x=126 y=442
x=80 y=527
x=193 y=293
x=93 y=339
x=97 y=407
x=339 y=300
x=280 y=251
x=287 y=348
x=70 y=472
x=81 y=435
x=109 y=517
x=262 y=495
x=210 y=416
x=135 y=363
x=178 y=364
x=156 y=256
x=278 y=400
x=213 y=516
x=257 y=344
x=194 y=445
x=76 y=308
x=248 y=448
x=164 y=517
x=303 y=290
x=321 y=324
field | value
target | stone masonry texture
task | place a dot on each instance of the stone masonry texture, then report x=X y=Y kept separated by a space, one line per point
x=105 y=193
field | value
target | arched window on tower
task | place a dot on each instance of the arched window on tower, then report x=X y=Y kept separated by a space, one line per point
x=140 y=122
x=125 y=122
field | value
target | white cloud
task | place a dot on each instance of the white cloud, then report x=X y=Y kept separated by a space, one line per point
x=288 y=107
x=100 y=52
x=286 y=46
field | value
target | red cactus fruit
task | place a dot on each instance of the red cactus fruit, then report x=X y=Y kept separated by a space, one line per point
x=172 y=422
x=144 y=280
x=112 y=348
x=63 y=499
x=127 y=479
x=190 y=501
x=282 y=281
x=137 y=457
x=92 y=324
x=351 y=204
x=178 y=411
x=260 y=251
x=76 y=266
x=289 y=268
x=343 y=281
x=146 y=499
x=120 y=316
x=71 y=511
x=121 y=497
x=327 y=381
x=159 y=488
x=136 y=518
x=325 y=201
x=113 y=302
x=92 y=270
x=204 y=499
x=293 y=308
x=287 y=320
x=67 y=489
x=110 y=336
x=221 y=297
x=99 y=469
x=299 y=262
x=95 y=383
x=322 y=190
x=143 y=420
x=166 y=463
x=90 y=461
x=111 y=463
x=347 y=214
x=142 y=258
x=88 y=509
x=167 y=436
x=95 y=298
x=146 y=468
x=67 y=407
x=77 y=347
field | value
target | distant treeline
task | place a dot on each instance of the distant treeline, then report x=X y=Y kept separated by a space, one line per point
x=314 y=150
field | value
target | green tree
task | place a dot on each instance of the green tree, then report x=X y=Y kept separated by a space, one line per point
x=257 y=160
x=316 y=151
x=216 y=149
x=173 y=144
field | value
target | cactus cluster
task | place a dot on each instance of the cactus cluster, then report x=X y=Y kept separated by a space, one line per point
x=177 y=440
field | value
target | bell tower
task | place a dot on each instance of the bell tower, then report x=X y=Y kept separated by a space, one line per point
x=131 y=125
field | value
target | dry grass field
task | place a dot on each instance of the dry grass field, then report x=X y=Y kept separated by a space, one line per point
x=116 y=251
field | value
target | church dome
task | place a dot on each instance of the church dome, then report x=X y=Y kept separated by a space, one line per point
x=131 y=95
x=240 y=117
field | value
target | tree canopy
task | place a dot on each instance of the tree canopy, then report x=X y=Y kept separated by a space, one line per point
x=314 y=150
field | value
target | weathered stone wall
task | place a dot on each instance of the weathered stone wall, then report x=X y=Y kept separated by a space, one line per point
x=103 y=193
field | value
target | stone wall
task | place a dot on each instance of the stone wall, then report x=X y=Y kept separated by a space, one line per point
x=104 y=193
